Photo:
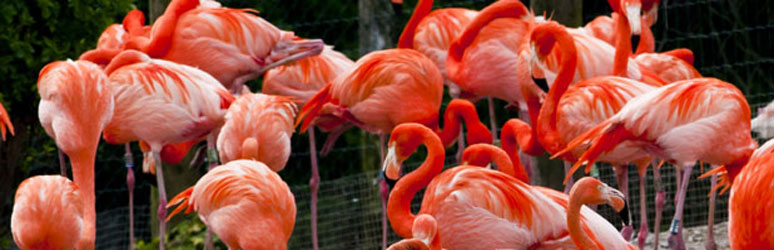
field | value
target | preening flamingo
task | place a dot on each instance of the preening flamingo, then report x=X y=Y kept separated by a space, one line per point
x=750 y=209
x=301 y=80
x=161 y=102
x=660 y=121
x=5 y=122
x=48 y=213
x=425 y=235
x=233 y=45
x=258 y=127
x=590 y=191
x=479 y=208
x=76 y=103
x=245 y=203
x=114 y=38
x=763 y=124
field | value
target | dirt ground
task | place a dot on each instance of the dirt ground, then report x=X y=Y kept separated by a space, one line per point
x=694 y=237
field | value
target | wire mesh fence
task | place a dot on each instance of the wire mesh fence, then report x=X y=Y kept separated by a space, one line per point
x=731 y=41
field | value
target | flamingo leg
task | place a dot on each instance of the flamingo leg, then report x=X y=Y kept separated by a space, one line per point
x=129 y=164
x=314 y=185
x=492 y=118
x=385 y=193
x=62 y=165
x=659 y=202
x=710 y=244
x=622 y=176
x=460 y=146
x=643 y=234
x=208 y=240
x=212 y=159
x=162 y=210
x=527 y=160
x=676 y=229
x=570 y=181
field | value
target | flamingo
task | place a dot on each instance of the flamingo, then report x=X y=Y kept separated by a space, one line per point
x=482 y=154
x=48 y=213
x=425 y=232
x=749 y=209
x=244 y=202
x=161 y=102
x=479 y=208
x=114 y=38
x=589 y=190
x=5 y=122
x=660 y=121
x=763 y=124
x=301 y=80
x=75 y=105
x=232 y=45
x=258 y=127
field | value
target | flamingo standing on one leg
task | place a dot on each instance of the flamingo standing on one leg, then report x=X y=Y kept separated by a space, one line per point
x=505 y=218
x=48 y=213
x=660 y=120
x=76 y=103
x=232 y=45
x=301 y=80
x=5 y=122
x=245 y=203
x=161 y=102
x=750 y=209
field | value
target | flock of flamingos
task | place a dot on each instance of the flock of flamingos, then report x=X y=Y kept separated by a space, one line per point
x=181 y=81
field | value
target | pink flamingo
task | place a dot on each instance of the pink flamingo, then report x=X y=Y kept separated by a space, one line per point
x=479 y=208
x=48 y=213
x=660 y=120
x=232 y=45
x=75 y=105
x=590 y=191
x=161 y=102
x=245 y=203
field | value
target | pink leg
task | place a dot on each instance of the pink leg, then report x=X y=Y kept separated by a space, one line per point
x=710 y=245
x=129 y=164
x=314 y=185
x=331 y=140
x=460 y=146
x=212 y=153
x=62 y=165
x=385 y=192
x=570 y=181
x=643 y=234
x=622 y=176
x=492 y=118
x=676 y=230
x=162 y=211
x=659 y=200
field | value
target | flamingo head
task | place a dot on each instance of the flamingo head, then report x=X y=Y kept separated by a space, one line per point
x=290 y=48
x=592 y=191
x=404 y=140
x=632 y=10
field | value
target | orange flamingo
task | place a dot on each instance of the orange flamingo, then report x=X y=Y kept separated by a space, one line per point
x=468 y=218
x=161 y=102
x=589 y=190
x=749 y=209
x=482 y=154
x=245 y=203
x=75 y=105
x=301 y=80
x=660 y=120
x=232 y=45
x=5 y=122
x=258 y=127
x=425 y=232
x=114 y=38
x=48 y=213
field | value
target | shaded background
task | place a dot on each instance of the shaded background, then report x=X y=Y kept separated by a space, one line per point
x=731 y=40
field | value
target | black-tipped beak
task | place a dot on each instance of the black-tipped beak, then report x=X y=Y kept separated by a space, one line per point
x=635 y=41
x=541 y=82
x=390 y=183
x=398 y=8
x=624 y=213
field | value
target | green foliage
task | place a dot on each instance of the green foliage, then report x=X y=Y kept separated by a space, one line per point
x=189 y=234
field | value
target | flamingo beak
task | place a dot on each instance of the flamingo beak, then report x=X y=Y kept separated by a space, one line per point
x=633 y=14
x=391 y=165
x=617 y=200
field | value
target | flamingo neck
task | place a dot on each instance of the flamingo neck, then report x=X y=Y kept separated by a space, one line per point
x=399 y=205
x=546 y=121
x=83 y=175
x=458 y=110
x=577 y=234
x=505 y=163
x=623 y=46
x=500 y=9
x=515 y=133
x=423 y=8
x=647 y=40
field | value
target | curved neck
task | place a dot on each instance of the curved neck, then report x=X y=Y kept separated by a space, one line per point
x=577 y=234
x=485 y=154
x=499 y=9
x=647 y=40
x=623 y=46
x=546 y=122
x=399 y=205
x=516 y=130
x=423 y=8
x=457 y=110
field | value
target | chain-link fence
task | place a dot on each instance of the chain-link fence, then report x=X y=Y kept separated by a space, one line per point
x=730 y=39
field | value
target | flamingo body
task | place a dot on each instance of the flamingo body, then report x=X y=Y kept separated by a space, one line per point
x=304 y=78
x=47 y=213
x=751 y=209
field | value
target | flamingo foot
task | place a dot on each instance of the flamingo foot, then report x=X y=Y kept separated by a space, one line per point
x=627 y=232
x=642 y=235
x=676 y=242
